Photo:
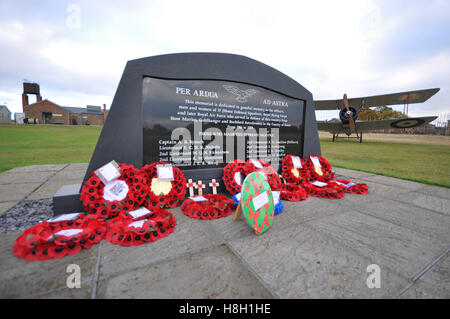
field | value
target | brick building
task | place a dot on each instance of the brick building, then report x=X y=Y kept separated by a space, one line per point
x=48 y=112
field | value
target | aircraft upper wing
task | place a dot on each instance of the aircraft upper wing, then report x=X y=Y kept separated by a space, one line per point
x=410 y=97
x=361 y=126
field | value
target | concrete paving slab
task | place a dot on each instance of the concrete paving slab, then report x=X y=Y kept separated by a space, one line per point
x=419 y=291
x=38 y=168
x=426 y=222
x=48 y=189
x=24 y=177
x=351 y=173
x=19 y=278
x=189 y=236
x=84 y=292
x=230 y=229
x=77 y=166
x=401 y=249
x=65 y=175
x=5 y=206
x=302 y=263
x=313 y=207
x=213 y=272
x=377 y=191
x=435 y=191
x=16 y=191
x=394 y=182
x=438 y=277
x=438 y=204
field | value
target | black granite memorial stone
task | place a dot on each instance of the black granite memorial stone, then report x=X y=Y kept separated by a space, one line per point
x=199 y=111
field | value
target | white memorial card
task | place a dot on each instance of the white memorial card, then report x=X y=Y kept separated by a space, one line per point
x=137 y=224
x=238 y=178
x=256 y=163
x=238 y=196
x=116 y=190
x=319 y=184
x=276 y=194
x=296 y=162
x=67 y=232
x=64 y=217
x=198 y=198
x=165 y=172
x=346 y=185
x=260 y=200
x=137 y=213
x=315 y=161
x=109 y=172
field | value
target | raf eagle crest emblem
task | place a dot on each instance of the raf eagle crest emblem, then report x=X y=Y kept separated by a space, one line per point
x=242 y=95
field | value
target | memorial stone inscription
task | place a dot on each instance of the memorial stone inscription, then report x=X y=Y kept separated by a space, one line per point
x=205 y=123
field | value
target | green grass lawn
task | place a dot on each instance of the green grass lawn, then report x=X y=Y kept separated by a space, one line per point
x=22 y=145
x=423 y=163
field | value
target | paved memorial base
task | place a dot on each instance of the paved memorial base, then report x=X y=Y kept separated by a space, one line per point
x=318 y=248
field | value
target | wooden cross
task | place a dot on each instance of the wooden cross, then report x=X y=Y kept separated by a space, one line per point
x=214 y=185
x=200 y=187
x=191 y=186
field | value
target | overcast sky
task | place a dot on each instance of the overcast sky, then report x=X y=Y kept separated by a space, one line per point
x=77 y=50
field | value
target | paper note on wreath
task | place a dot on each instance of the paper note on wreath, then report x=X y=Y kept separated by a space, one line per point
x=109 y=172
x=296 y=162
x=165 y=172
x=198 y=198
x=67 y=232
x=317 y=166
x=137 y=213
x=64 y=217
x=256 y=163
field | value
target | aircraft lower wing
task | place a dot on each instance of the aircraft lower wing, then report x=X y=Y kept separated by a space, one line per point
x=361 y=126
x=411 y=97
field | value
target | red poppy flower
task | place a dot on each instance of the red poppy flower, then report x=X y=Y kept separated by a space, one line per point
x=293 y=192
x=272 y=176
x=332 y=190
x=233 y=176
x=356 y=188
x=93 y=197
x=126 y=231
x=163 y=194
x=53 y=239
x=215 y=206
x=326 y=170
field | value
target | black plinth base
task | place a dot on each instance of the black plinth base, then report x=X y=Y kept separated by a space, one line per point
x=67 y=200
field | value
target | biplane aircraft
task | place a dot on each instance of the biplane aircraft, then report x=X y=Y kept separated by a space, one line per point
x=349 y=110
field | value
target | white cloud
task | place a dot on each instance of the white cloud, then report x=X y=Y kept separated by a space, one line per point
x=327 y=46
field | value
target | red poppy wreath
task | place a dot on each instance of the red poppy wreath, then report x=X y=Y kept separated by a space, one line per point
x=291 y=173
x=293 y=193
x=352 y=188
x=129 y=231
x=208 y=206
x=100 y=199
x=330 y=190
x=322 y=172
x=55 y=240
x=164 y=193
x=233 y=176
x=254 y=165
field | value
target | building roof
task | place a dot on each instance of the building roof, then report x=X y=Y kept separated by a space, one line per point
x=83 y=110
x=89 y=109
x=5 y=107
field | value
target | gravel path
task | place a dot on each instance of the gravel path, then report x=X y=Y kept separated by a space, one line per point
x=25 y=215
